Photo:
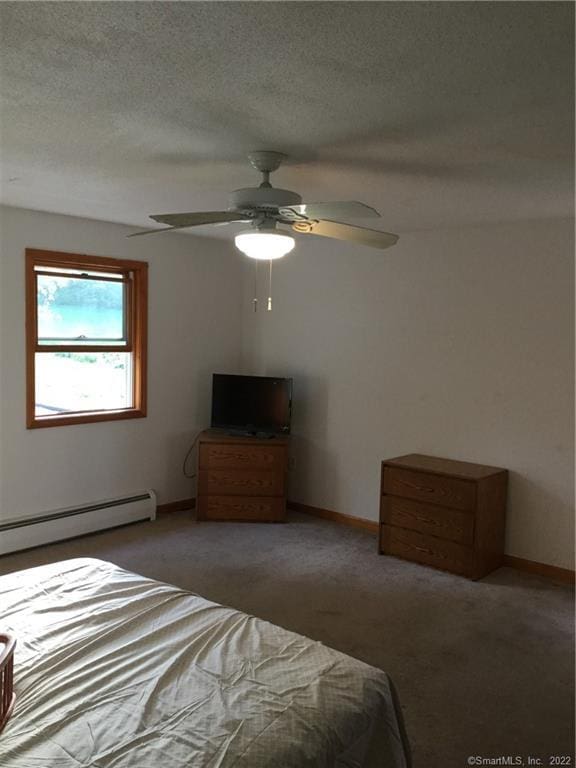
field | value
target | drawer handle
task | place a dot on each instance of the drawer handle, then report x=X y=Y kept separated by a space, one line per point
x=423 y=549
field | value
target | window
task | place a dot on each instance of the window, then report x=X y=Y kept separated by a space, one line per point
x=85 y=338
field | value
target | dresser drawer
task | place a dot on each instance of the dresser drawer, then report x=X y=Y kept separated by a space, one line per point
x=427 y=550
x=247 y=508
x=240 y=456
x=428 y=518
x=435 y=489
x=240 y=482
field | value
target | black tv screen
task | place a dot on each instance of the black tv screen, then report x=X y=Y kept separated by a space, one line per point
x=251 y=404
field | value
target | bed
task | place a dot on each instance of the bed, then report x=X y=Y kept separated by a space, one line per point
x=114 y=670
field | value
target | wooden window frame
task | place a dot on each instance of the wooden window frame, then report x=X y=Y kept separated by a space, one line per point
x=136 y=334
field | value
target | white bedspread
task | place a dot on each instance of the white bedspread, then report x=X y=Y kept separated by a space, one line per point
x=115 y=670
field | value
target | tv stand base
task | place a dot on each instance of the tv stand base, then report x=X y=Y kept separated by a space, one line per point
x=242 y=477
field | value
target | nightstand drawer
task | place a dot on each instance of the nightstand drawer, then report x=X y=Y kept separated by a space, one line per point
x=429 y=519
x=435 y=489
x=427 y=550
x=247 y=508
x=242 y=456
x=240 y=482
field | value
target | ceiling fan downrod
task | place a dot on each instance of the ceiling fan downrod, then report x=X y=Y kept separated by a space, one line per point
x=266 y=162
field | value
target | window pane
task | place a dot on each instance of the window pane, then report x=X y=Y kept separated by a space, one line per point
x=74 y=381
x=80 y=310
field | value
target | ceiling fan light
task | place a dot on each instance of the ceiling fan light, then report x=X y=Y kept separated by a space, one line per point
x=264 y=245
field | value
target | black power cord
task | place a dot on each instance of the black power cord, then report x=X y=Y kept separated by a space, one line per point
x=190 y=450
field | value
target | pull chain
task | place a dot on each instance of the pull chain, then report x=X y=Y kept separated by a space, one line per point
x=270 y=289
x=255 y=299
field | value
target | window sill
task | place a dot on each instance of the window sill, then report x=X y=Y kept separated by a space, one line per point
x=61 y=420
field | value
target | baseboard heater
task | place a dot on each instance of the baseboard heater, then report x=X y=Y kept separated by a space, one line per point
x=67 y=523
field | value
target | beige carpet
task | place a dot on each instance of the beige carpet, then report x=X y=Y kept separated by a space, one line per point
x=482 y=669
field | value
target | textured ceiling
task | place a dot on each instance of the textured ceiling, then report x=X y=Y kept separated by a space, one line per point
x=436 y=113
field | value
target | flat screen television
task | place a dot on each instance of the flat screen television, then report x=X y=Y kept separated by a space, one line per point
x=251 y=404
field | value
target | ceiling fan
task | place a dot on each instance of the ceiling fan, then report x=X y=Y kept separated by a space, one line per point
x=269 y=211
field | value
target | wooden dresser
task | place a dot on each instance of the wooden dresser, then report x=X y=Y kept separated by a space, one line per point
x=443 y=513
x=241 y=478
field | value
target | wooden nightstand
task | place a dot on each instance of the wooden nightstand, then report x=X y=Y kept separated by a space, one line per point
x=242 y=478
x=443 y=513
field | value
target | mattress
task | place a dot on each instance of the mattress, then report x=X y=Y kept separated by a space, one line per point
x=114 y=670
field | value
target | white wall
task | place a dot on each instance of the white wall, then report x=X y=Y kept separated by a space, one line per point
x=194 y=329
x=454 y=343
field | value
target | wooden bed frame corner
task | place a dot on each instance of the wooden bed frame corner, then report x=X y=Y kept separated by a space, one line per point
x=7 y=695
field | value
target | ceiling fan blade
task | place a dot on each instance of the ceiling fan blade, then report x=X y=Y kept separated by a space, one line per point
x=339 y=231
x=342 y=210
x=155 y=231
x=199 y=218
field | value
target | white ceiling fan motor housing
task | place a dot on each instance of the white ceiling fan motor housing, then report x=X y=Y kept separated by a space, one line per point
x=262 y=197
